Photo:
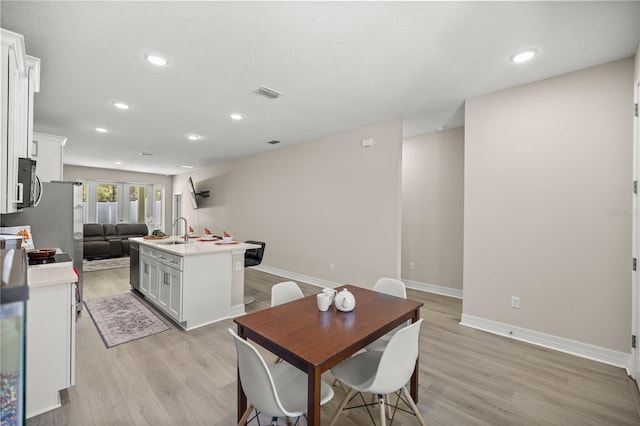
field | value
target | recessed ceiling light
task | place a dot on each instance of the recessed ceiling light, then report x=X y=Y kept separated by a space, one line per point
x=118 y=162
x=121 y=105
x=236 y=116
x=187 y=167
x=441 y=128
x=193 y=137
x=101 y=130
x=156 y=60
x=524 y=56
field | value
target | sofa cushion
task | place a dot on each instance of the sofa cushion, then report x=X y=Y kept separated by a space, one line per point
x=130 y=230
x=95 y=231
x=110 y=231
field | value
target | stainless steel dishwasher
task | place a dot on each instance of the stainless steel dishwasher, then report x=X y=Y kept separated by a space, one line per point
x=134 y=265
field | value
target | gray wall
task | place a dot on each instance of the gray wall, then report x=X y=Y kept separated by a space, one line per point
x=548 y=179
x=315 y=203
x=432 y=208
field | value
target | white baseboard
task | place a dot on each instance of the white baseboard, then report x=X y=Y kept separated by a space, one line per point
x=318 y=282
x=236 y=311
x=573 y=347
x=433 y=288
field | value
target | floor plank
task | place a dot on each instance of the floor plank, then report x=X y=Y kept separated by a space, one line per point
x=466 y=377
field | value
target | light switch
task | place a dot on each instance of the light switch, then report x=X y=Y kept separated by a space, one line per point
x=366 y=143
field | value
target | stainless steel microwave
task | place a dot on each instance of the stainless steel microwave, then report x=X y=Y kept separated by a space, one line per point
x=29 y=186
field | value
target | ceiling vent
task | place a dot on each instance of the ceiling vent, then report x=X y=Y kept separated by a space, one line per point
x=267 y=92
x=146 y=154
x=273 y=142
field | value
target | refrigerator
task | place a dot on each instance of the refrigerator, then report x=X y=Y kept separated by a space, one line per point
x=56 y=222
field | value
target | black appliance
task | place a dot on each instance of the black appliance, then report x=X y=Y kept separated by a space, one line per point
x=56 y=258
x=134 y=264
x=29 y=187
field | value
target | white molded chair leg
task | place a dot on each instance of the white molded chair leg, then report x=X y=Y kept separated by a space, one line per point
x=243 y=419
x=383 y=415
x=414 y=407
x=344 y=401
x=386 y=402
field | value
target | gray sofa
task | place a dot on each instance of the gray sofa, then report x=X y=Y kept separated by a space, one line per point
x=106 y=240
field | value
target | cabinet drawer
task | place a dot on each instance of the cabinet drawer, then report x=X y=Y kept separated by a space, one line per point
x=169 y=259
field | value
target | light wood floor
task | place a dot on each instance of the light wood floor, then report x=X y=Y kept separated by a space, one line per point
x=467 y=377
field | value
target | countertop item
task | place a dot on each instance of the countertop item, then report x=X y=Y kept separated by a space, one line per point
x=41 y=253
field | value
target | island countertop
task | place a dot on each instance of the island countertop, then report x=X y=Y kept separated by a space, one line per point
x=175 y=245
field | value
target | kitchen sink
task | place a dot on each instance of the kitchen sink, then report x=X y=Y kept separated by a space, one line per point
x=170 y=243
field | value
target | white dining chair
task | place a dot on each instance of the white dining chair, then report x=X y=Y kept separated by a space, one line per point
x=395 y=288
x=285 y=292
x=382 y=373
x=391 y=286
x=279 y=390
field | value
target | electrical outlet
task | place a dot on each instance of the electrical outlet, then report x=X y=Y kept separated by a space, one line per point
x=515 y=302
x=332 y=267
x=412 y=266
x=366 y=143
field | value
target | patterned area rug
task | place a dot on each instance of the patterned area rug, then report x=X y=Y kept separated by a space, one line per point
x=122 y=318
x=100 y=264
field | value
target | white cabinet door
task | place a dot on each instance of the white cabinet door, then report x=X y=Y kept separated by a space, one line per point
x=145 y=274
x=5 y=186
x=170 y=299
x=164 y=293
x=175 y=299
x=154 y=281
x=47 y=151
x=19 y=80
x=11 y=148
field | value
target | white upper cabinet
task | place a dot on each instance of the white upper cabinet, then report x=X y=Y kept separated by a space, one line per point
x=19 y=80
x=47 y=151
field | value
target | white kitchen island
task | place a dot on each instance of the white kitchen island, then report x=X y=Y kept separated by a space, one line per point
x=195 y=283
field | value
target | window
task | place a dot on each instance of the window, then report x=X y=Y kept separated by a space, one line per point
x=107 y=202
x=138 y=204
x=123 y=202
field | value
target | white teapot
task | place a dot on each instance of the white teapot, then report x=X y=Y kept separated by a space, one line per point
x=345 y=301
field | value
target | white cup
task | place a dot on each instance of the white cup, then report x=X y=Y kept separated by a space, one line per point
x=330 y=291
x=324 y=301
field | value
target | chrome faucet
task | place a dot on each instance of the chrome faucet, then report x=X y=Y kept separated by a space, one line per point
x=186 y=228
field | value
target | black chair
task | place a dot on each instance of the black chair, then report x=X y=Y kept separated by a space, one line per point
x=253 y=257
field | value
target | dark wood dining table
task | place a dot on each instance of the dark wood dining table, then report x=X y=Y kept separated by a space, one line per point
x=315 y=341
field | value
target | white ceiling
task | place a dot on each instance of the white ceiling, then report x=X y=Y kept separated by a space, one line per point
x=340 y=65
